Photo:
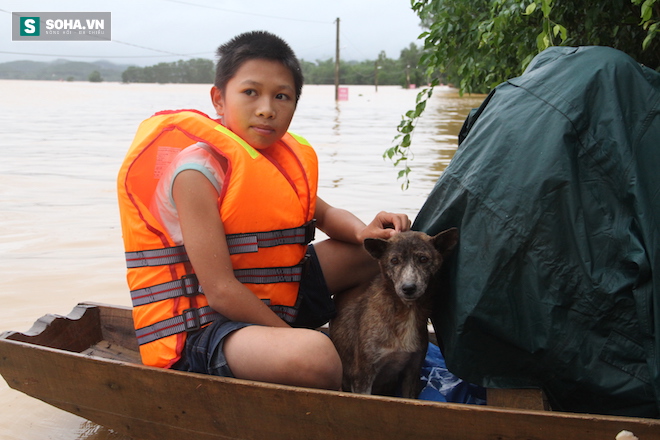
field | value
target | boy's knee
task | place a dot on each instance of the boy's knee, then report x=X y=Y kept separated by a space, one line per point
x=319 y=366
x=331 y=365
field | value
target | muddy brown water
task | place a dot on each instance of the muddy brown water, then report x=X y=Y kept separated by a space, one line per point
x=60 y=239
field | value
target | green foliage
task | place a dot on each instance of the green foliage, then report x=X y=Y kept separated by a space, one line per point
x=404 y=71
x=383 y=71
x=650 y=14
x=321 y=72
x=194 y=71
x=477 y=44
x=550 y=30
x=400 y=152
x=95 y=76
x=60 y=70
x=414 y=69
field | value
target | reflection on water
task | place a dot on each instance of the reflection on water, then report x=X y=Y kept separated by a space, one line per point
x=335 y=128
x=60 y=240
x=439 y=129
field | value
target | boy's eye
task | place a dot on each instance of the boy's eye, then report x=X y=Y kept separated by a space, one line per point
x=282 y=96
x=250 y=92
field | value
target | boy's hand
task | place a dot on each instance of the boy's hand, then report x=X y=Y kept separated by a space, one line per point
x=385 y=225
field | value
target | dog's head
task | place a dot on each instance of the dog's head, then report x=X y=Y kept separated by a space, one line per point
x=410 y=259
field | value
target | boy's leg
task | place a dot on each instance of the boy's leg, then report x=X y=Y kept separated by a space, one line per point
x=302 y=357
x=287 y=356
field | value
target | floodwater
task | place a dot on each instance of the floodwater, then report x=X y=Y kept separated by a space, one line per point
x=61 y=145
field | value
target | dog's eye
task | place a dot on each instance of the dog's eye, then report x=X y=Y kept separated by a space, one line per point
x=394 y=260
x=423 y=259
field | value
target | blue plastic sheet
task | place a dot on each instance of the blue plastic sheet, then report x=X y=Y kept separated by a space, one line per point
x=440 y=385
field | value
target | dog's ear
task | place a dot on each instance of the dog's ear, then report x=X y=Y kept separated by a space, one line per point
x=375 y=246
x=446 y=241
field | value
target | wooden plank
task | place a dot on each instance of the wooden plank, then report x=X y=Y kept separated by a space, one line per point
x=74 y=332
x=149 y=403
x=116 y=324
x=532 y=398
x=108 y=350
x=82 y=329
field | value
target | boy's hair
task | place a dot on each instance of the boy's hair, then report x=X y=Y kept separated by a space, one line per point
x=255 y=45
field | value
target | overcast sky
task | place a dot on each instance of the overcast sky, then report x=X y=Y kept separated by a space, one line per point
x=146 y=32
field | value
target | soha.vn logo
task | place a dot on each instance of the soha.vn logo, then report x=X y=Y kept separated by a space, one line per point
x=61 y=26
x=31 y=25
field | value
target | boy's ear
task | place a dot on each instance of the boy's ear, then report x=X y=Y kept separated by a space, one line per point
x=218 y=100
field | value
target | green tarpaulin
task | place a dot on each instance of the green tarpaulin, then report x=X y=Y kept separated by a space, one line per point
x=555 y=189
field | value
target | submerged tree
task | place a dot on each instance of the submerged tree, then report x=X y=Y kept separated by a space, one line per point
x=193 y=71
x=95 y=76
x=477 y=44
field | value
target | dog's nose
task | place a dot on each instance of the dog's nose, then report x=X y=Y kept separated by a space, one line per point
x=409 y=289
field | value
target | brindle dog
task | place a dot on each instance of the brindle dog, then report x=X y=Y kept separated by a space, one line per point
x=381 y=334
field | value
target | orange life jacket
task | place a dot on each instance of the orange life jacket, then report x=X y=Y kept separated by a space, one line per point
x=267 y=210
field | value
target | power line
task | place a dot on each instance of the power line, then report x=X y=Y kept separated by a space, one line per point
x=169 y=54
x=249 y=13
x=145 y=47
x=101 y=56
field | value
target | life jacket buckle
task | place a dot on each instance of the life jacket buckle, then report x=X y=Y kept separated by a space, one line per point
x=189 y=280
x=310 y=230
x=305 y=264
x=191 y=315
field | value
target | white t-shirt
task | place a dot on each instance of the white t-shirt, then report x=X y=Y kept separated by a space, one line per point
x=198 y=157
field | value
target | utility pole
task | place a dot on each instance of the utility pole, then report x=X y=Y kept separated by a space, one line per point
x=337 y=64
x=376 y=67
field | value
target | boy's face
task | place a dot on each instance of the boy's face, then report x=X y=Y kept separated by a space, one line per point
x=258 y=102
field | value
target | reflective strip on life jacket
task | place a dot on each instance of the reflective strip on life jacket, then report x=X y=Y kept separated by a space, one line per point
x=268 y=275
x=188 y=285
x=286 y=313
x=237 y=244
x=251 y=241
x=190 y=320
x=156 y=257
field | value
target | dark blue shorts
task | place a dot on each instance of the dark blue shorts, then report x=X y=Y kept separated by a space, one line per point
x=203 y=352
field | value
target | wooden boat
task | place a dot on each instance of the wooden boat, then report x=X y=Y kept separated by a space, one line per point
x=87 y=363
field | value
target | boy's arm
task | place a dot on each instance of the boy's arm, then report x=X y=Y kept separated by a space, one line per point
x=342 y=225
x=204 y=237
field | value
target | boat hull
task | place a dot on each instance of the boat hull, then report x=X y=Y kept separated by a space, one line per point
x=151 y=403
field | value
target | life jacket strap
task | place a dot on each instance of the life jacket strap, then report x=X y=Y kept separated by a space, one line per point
x=237 y=243
x=286 y=313
x=156 y=257
x=186 y=286
x=252 y=241
x=193 y=319
x=190 y=320
x=269 y=275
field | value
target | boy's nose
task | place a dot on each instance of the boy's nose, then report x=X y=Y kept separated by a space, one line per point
x=266 y=109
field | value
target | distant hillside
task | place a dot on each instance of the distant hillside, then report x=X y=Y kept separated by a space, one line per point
x=61 y=70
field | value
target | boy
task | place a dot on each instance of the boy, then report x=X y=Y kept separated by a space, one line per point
x=229 y=188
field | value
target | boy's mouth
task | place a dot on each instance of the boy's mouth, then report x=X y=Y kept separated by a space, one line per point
x=264 y=130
